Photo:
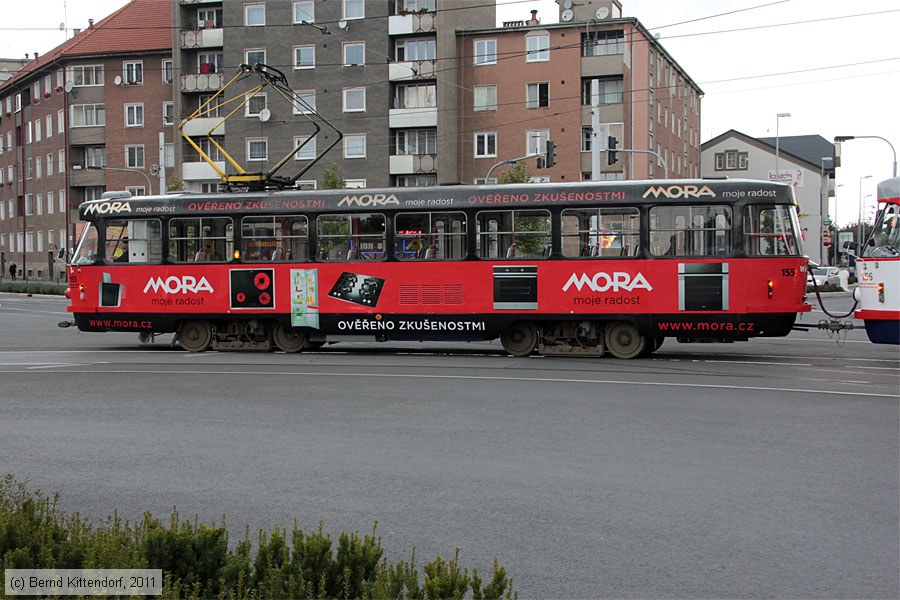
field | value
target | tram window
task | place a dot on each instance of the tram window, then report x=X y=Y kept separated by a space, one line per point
x=207 y=239
x=86 y=252
x=771 y=231
x=276 y=238
x=690 y=230
x=427 y=236
x=350 y=237
x=133 y=241
x=603 y=232
x=513 y=234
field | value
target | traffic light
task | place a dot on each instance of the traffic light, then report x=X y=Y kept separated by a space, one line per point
x=611 y=155
x=550 y=158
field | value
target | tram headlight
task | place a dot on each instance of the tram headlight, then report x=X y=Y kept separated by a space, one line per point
x=81 y=290
x=880 y=288
x=771 y=288
x=237 y=255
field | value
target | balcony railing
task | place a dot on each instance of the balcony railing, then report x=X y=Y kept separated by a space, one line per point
x=202 y=82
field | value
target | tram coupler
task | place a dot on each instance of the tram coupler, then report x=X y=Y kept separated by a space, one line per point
x=65 y=324
x=836 y=326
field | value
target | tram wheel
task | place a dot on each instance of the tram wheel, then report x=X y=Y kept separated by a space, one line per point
x=195 y=336
x=623 y=340
x=520 y=339
x=288 y=341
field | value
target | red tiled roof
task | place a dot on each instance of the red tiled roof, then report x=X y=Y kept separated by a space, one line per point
x=139 y=26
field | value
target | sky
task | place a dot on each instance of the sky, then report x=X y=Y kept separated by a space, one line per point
x=834 y=66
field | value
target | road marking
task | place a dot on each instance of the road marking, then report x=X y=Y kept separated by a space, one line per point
x=490 y=378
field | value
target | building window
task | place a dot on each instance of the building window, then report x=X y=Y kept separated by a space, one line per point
x=168 y=113
x=88 y=115
x=354 y=9
x=414 y=142
x=485 y=145
x=255 y=105
x=415 y=180
x=134 y=115
x=355 y=146
x=536 y=141
x=48 y=125
x=254 y=15
x=485 y=52
x=85 y=75
x=415 y=49
x=257 y=149
x=134 y=156
x=355 y=100
x=134 y=72
x=611 y=90
x=304 y=11
x=210 y=62
x=255 y=56
x=209 y=18
x=732 y=160
x=304 y=102
x=415 y=95
x=538 y=95
x=587 y=139
x=485 y=97
x=205 y=103
x=60 y=121
x=354 y=53
x=168 y=70
x=537 y=48
x=211 y=150
x=308 y=151
x=603 y=43
x=304 y=57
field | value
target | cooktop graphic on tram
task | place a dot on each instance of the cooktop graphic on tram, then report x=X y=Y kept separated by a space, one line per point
x=357 y=288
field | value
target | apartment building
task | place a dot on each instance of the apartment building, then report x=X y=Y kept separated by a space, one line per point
x=526 y=83
x=385 y=74
x=85 y=117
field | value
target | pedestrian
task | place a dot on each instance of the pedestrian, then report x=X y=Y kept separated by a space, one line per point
x=12 y=271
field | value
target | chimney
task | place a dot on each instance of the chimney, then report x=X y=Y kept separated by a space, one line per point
x=90 y=23
x=35 y=55
x=75 y=31
x=534 y=20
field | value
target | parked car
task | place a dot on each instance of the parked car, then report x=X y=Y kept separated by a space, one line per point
x=825 y=278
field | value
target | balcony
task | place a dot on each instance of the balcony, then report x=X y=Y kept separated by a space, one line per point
x=189 y=2
x=202 y=82
x=202 y=38
x=411 y=23
x=410 y=164
x=200 y=171
x=202 y=126
x=81 y=177
x=407 y=118
x=417 y=69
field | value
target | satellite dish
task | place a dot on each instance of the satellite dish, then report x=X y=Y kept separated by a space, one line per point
x=69 y=86
x=154 y=169
x=567 y=4
x=567 y=14
x=602 y=12
x=118 y=80
x=342 y=24
x=265 y=114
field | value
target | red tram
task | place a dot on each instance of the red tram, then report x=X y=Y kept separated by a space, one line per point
x=578 y=268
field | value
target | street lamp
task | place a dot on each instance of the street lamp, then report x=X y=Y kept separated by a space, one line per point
x=859 y=227
x=147 y=177
x=823 y=210
x=777 y=123
x=845 y=138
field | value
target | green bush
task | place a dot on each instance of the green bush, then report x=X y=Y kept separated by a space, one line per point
x=197 y=562
x=33 y=288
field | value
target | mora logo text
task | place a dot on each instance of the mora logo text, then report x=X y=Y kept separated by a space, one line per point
x=679 y=191
x=369 y=200
x=603 y=282
x=186 y=284
x=105 y=208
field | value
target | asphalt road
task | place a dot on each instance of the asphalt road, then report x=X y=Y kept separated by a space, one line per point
x=767 y=469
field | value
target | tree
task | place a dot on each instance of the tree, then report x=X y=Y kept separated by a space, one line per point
x=518 y=174
x=331 y=180
x=175 y=185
